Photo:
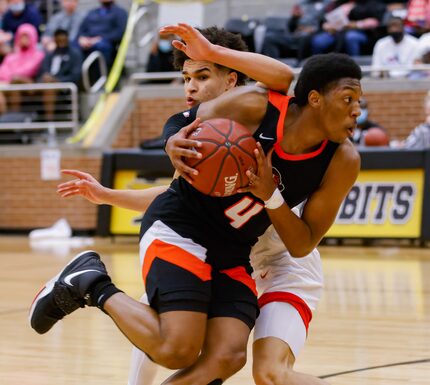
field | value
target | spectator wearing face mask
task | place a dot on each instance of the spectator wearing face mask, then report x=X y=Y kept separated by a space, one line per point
x=161 y=56
x=19 y=13
x=398 y=48
x=363 y=123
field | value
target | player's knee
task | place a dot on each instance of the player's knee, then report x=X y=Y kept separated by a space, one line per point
x=266 y=375
x=174 y=356
x=231 y=362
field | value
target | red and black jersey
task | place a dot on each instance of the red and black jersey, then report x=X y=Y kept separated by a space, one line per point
x=228 y=227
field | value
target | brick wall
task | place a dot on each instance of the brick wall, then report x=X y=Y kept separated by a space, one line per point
x=147 y=120
x=27 y=202
x=398 y=112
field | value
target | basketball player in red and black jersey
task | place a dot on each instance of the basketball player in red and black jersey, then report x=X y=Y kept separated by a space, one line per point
x=326 y=114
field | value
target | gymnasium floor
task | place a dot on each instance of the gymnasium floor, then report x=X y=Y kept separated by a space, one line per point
x=375 y=312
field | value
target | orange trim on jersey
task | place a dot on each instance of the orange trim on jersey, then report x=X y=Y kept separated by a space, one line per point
x=286 y=156
x=240 y=274
x=281 y=102
x=295 y=301
x=177 y=256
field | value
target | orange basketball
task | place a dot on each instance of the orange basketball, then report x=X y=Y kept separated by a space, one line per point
x=227 y=152
x=376 y=136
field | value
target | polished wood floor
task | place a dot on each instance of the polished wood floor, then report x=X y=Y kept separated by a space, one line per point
x=372 y=326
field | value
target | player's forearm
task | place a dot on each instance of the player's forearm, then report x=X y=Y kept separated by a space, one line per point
x=273 y=73
x=293 y=231
x=137 y=200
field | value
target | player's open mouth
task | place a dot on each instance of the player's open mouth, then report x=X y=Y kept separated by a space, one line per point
x=191 y=102
x=350 y=131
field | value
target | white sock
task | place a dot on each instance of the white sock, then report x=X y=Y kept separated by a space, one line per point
x=142 y=369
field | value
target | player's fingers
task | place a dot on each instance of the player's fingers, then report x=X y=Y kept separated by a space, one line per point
x=67 y=184
x=182 y=152
x=76 y=173
x=187 y=173
x=269 y=157
x=70 y=193
x=260 y=159
x=191 y=127
x=179 y=45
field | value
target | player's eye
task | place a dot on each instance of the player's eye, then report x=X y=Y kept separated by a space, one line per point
x=186 y=79
x=203 y=77
x=348 y=99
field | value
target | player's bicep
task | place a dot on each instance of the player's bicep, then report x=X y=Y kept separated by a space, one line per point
x=246 y=105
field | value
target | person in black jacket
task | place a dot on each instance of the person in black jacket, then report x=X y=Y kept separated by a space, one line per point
x=61 y=65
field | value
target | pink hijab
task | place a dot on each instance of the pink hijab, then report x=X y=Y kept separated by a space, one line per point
x=22 y=62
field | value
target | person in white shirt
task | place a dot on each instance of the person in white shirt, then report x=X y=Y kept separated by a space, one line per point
x=398 y=48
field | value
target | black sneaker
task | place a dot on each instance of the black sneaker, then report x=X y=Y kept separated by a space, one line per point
x=67 y=291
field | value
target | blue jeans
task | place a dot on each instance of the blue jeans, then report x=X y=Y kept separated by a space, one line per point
x=354 y=39
x=321 y=42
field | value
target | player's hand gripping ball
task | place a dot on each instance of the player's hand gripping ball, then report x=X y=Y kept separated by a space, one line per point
x=227 y=153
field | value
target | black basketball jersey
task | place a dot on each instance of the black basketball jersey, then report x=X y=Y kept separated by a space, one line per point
x=228 y=227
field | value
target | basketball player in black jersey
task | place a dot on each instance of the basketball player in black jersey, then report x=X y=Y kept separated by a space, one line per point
x=326 y=113
x=205 y=80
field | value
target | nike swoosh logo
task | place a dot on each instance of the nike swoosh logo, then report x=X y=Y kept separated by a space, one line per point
x=262 y=276
x=261 y=136
x=69 y=277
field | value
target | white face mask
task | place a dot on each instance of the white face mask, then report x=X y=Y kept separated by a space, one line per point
x=17 y=8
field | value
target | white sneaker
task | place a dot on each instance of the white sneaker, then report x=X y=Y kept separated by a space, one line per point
x=60 y=229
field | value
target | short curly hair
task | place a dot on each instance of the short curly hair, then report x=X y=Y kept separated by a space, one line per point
x=322 y=71
x=218 y=36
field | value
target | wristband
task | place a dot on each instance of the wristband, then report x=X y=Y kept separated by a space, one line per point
x=275 y=201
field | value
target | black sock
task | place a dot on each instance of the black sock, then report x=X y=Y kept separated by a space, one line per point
x=101 y=291
x=218 y=381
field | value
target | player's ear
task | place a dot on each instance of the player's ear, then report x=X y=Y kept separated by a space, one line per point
x=314 y=98
x=231 y=80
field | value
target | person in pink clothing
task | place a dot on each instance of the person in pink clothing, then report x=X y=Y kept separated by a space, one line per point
x=22 y=64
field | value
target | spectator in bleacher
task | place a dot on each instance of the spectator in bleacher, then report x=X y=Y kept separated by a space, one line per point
x=22 y=64
x=61 y=65
x=398 y=48
x=418 y=17
x=19 y=13
x=363 y=123
x=161 y=56
x=5 y=37
x=420 y=136
x=46 y=8
x=102 y=30
x=69 y=19
x=349 y=27
x=291 y=38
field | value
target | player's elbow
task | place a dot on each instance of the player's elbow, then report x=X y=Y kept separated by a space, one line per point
x=302 y=250
x=284 y=80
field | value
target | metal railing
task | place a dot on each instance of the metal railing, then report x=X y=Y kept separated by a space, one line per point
x=94 y=57
x=139 y=77
x=37 y=106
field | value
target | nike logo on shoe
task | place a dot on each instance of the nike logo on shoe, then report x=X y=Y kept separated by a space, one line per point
x=261 y=136
x=69 y=277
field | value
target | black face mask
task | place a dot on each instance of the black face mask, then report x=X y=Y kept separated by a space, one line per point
x=62 y=50
x=397 y=36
